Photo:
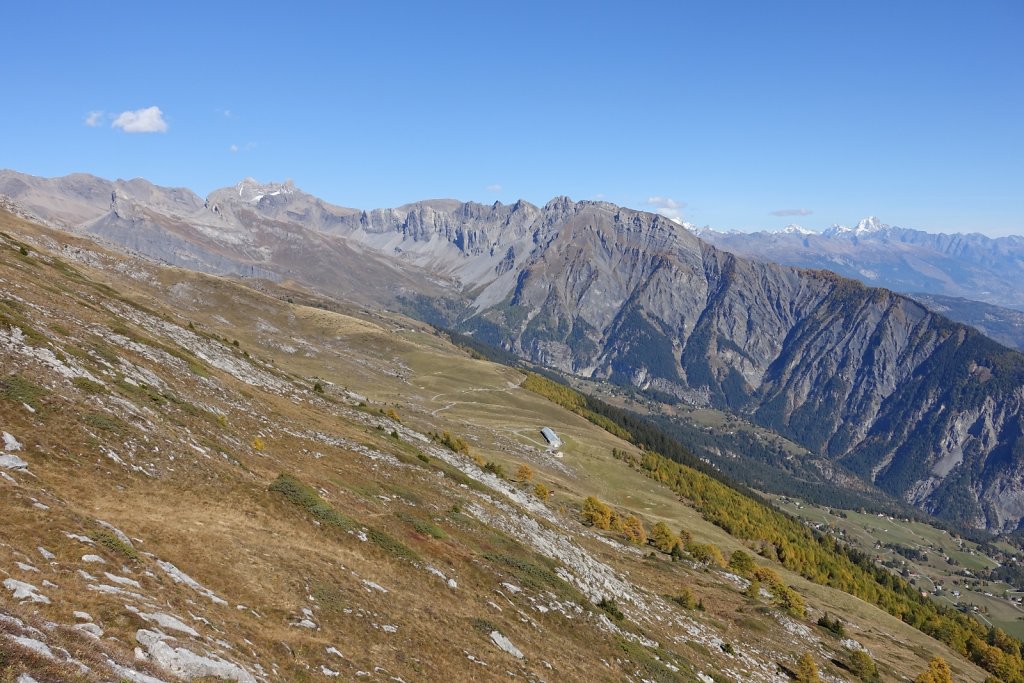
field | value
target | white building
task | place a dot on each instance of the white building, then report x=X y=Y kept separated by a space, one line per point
x=551 y=437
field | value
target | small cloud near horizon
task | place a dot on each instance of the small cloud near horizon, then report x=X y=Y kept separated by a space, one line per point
x=667 y=207
x=493 y=187
x=147 y=120
x=94 y=119
x=247 y=147
x=791 y=212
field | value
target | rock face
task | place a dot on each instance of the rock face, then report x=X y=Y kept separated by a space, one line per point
x=926 y=409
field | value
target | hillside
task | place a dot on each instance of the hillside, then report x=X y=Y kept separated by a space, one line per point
x=927 y=410
x=205 y=482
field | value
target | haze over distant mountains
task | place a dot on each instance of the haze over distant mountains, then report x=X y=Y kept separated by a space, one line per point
x=971 y=266
x=927 y=409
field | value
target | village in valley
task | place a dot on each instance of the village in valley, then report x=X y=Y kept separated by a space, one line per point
x=986 y=580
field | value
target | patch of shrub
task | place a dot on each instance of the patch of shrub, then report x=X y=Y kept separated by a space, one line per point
x=32 y=336
x=453 y=443
x=307 y=498
x=685 y=599
x=833 y=625
x=113 y=543
x=611 y=608
x=18 y=389
x=495 y=468
x=89 y=386
x=107 y=423
x=423 y=526
x=483 y=626
x=528 y=573
x=391 y=544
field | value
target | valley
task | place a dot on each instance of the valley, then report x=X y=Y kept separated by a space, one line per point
x=174 y=481
x=533 y=343
x=877 y=386
x=951 y=569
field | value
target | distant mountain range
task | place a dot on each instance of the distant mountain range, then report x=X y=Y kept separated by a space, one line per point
x=927 y=409
x=970 y=266
x=1005 y=325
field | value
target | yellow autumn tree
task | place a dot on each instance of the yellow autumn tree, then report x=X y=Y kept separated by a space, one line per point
x=524 y=473
x=807 y=670
x=741 y=563
x=596 y=514
x=662 y=538
x=938 y=672
x=634 y=530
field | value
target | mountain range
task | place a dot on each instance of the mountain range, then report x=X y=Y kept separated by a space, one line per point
x=942 y=267
x=928 y=410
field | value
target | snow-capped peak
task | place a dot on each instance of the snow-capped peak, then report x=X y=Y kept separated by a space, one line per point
x=249 y=190
x=869 y=224
x=794 y=229
x=865 y=226
x=702 y=231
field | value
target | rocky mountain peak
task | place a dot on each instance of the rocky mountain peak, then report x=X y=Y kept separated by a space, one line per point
x=865 y=226
x=794 y=229
x=561 y=203
x=869 y=224
x=250 y=190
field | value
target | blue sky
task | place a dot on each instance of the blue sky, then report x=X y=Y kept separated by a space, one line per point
x=722 y=113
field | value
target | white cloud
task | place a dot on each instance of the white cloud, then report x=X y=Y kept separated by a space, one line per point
x=495 y=187
x=94 y=118
x=247 y=147
x=667 y=207
x=792 y=212
x=148 y=120
x=233 y=149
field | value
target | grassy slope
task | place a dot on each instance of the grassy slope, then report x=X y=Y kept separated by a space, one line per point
x=210 y=513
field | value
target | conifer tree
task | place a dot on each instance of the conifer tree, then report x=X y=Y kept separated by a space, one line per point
x=807 y=670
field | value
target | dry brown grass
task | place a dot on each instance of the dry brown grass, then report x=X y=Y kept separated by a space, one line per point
x=214 y=517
